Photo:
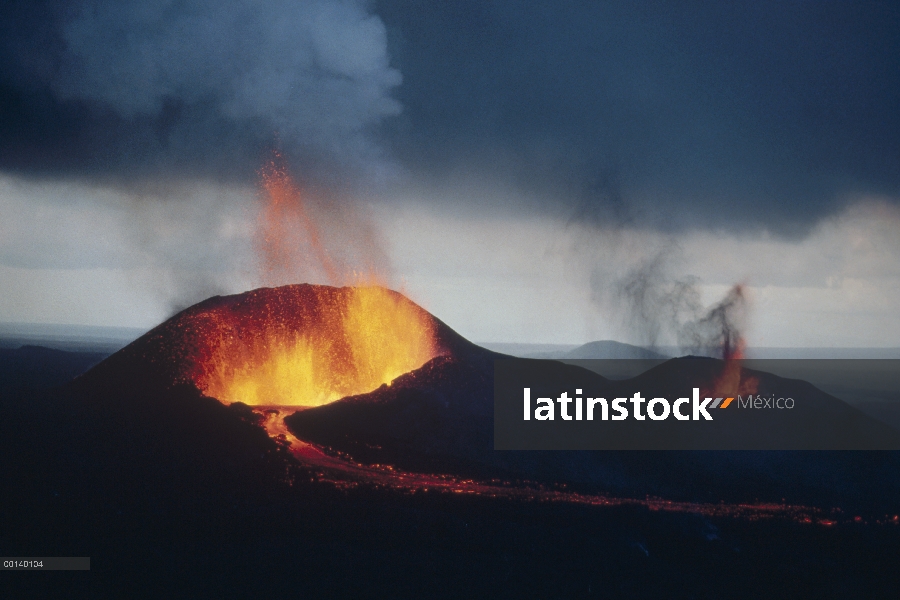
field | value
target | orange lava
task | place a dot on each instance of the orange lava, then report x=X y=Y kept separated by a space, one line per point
x=304 y=345
x=343 y=472
x=732 y=381
x=313 y=234
x=294 y=345
x=307 y=345
x=287 y=235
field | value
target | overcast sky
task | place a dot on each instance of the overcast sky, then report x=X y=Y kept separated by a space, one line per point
x=523 y=162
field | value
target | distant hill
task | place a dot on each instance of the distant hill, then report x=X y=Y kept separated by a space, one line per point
x=527 y=350
x=72 y=338
x=796 y=352
x=35 y=367
x=603 y=349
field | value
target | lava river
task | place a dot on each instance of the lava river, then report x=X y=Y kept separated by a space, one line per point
x=343 y=472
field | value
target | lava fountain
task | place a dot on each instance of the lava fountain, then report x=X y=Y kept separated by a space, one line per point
x=723 y=323
x=281 y=348
x=309 y=345
x=294 y=345
x=305 y=345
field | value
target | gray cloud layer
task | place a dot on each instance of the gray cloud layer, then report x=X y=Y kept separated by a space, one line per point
x=750 y=115
x=738 y=114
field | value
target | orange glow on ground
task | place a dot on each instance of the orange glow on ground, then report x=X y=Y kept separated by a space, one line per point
x=340 y=470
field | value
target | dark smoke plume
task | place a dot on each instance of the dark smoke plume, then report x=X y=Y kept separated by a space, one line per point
x=720 y=331
x=656 y=306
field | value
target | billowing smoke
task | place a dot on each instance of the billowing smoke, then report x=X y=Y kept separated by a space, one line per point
x=631 y=278
x=170 y=110
x=635 y=280
x=718 y=332
x=316 y=72
x=187 y=243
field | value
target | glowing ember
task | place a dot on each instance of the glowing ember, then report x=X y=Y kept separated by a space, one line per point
x=287 y=237
x=302 y=345
x=311 y=234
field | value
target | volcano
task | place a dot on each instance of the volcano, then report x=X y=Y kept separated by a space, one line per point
x=195 y=444
x=367 y=374
x=296 y=345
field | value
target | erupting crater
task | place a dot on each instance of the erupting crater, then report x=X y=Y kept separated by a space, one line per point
x=307 y=346
x=296 y=345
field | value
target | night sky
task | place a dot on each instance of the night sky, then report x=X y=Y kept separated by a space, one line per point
x=523 y=161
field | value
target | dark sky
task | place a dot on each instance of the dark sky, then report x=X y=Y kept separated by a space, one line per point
x=742 y=115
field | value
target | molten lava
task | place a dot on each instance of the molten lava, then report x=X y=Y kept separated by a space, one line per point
x=723 y=325
x=302 y=345
x=732 y=380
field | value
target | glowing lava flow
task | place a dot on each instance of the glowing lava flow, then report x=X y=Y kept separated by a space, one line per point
x=345 y=473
